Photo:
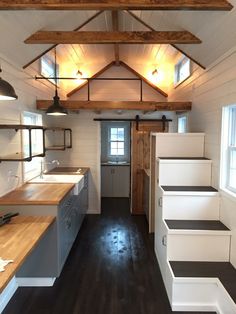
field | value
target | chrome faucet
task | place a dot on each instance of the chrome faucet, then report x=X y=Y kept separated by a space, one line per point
x=55 y=161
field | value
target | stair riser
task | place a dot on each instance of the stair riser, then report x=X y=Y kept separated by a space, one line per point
x=191 y=207
x=180 y=145
x=201 y=294
x=189 y=174
x=210 y=248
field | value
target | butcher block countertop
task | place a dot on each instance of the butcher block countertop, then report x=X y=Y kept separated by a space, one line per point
x=17 y=239
x=37 y=194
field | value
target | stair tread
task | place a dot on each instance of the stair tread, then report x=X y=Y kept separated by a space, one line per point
x=173 y=188
x=196 y=225
x=222 y=270
x=184 y=158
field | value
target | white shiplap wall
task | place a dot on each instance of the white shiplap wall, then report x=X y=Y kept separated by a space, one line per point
x=210 y=90
x=27 y=90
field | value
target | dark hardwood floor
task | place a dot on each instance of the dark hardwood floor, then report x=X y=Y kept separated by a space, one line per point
x=112 y=269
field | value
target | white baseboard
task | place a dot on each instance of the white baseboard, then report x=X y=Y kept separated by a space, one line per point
x=35 y=282
x=7 y=293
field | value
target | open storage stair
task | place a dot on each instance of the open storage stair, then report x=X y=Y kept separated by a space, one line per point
x=192 y=245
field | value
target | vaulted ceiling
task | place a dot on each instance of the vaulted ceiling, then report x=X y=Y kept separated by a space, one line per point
x=214 y=28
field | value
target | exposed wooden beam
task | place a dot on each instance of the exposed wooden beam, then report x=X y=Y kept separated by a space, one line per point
x=157 y=89
x=219 y=5
x=115 y=27
x=75 y=90
x=118 y=105
x=144 y=37
x=177 y=48
x=53 y=46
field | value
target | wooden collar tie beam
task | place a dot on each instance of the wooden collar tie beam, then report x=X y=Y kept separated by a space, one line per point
x=118 y=105
x=199 y=5
x=115 y=37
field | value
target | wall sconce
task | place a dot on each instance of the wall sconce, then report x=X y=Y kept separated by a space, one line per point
x=79 y=73
x=155 y=72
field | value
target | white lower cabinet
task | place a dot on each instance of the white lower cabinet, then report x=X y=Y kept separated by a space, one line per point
x=115 y=181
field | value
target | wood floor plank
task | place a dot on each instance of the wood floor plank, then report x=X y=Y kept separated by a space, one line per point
x=112 y=269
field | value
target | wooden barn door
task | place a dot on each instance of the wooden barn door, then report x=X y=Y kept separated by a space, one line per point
x=140 y=160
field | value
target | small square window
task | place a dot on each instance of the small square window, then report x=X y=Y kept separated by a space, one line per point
x=182 y=70
x=49 y=69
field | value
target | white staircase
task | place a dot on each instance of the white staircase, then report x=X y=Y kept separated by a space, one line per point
x=187 y=227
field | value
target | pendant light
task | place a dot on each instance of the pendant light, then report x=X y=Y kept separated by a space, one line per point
x=56 y=109
x=7 y=92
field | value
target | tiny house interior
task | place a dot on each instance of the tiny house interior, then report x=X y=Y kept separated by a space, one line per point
x=118 y=157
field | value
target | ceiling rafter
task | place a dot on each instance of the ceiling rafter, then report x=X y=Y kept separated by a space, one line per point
x=118 y=105
x=174 y=46
x=143 y=37
x=55 y=45
x=219 y=5
x=150 y=84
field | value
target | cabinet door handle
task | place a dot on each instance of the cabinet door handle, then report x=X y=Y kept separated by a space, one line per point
x=160 y=201
x=164 y=242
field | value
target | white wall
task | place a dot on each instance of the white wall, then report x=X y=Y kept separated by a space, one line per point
x=27 y=90
x=209 y=91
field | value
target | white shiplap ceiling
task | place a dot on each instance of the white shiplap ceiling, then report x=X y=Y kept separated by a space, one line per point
x=215 y=29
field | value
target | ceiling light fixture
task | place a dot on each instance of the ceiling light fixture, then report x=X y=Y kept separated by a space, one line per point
x=56 y=109
x=7 y=92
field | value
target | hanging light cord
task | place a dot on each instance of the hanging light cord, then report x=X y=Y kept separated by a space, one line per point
x=55 y=70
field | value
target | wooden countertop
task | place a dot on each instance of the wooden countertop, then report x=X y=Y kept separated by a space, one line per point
x=37 y=194
x=18 y=239
x=69 y=170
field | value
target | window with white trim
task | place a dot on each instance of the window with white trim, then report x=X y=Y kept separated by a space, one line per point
x=182 y=124
x=32 y=168
x=182 y=70
x=228 y=162
x=116 y=141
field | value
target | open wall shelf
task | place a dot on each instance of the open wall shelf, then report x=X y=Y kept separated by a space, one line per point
x=22 y=156
x=66 y=141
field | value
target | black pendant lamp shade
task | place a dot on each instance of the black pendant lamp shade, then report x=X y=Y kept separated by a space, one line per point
x=7 y=92
x=56 y=109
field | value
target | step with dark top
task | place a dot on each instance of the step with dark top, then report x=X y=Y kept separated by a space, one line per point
x=214 y=225
x=173 y=188
x=222 y=270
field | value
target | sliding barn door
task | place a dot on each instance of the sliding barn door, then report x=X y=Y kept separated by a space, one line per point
x=140 y=160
